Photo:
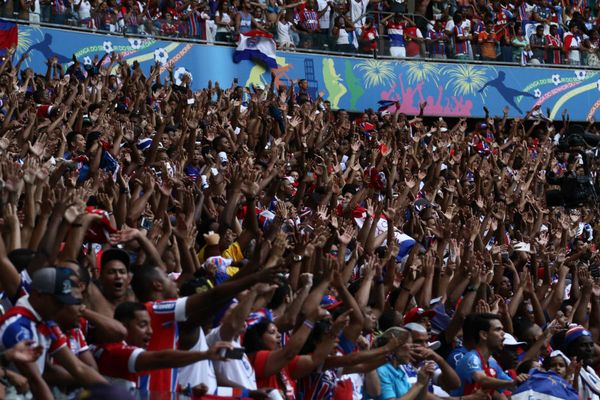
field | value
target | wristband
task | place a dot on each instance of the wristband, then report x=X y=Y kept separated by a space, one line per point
x=379 y=281
x=309 y=323
x=232 y=392
x=402 y=287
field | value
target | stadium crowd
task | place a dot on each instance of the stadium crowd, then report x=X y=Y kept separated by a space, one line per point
x=251 y=242
x=523 y=31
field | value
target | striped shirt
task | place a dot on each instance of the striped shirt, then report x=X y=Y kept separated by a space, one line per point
x=24 y=323
x=396 y=33
x=58 y=7
x=309 y=20
x=438 y=45
x=195 y=25
x=553 y=56
x=461 y=47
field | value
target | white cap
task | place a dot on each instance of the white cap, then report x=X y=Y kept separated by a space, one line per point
x=509 y=340
x=416 y=327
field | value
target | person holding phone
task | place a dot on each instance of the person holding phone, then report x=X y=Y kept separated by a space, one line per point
x=127 y=362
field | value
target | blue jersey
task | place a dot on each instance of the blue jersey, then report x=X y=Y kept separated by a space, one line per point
x=456 y=355
x=471 y=363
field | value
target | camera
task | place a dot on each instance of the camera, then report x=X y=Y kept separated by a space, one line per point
x=577 y=188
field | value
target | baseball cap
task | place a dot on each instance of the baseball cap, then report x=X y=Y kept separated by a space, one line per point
x=574 y=333
x=509 y=340
x=114 y=254
x=416 y=313
x=57 y=282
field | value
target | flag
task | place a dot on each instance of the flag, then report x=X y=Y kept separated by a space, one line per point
x=257 y=46
x=9 y=36
x=544 y=386
x=385 y=104
x=405 y=242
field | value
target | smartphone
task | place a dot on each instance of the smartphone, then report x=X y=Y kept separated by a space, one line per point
x=191 y=101
x=504 y=256
x=236 y=353
x=235 y=80
x=146 y=223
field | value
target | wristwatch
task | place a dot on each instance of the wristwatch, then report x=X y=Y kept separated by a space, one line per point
x=471 y=288
x=297 y=258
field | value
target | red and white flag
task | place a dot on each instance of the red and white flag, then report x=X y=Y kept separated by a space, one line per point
x=257 y=46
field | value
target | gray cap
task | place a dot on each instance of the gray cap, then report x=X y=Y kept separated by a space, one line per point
x=57 y=282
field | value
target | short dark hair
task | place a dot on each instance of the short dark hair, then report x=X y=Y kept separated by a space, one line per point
x=475 y=323
x=142 y=281
x=125 y=312
x=71 y=136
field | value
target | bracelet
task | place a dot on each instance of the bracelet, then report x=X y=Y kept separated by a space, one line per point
x=309 y=323
x=4 y=361
x=402 y=287
x=379 y=281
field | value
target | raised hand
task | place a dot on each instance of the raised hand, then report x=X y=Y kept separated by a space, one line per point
x=322 y=213
x=39 y=147
x=126 y=234
x=346 y=235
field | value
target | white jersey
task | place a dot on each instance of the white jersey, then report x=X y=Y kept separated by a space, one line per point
x=234 y=373
x=589 y=384
x=201 y=371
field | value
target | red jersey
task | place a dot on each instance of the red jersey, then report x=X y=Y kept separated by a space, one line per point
x=413 y=48
x=281 y=381
x=76 y=341
x=368 y=36
x=164 y=316
x=117 y=360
